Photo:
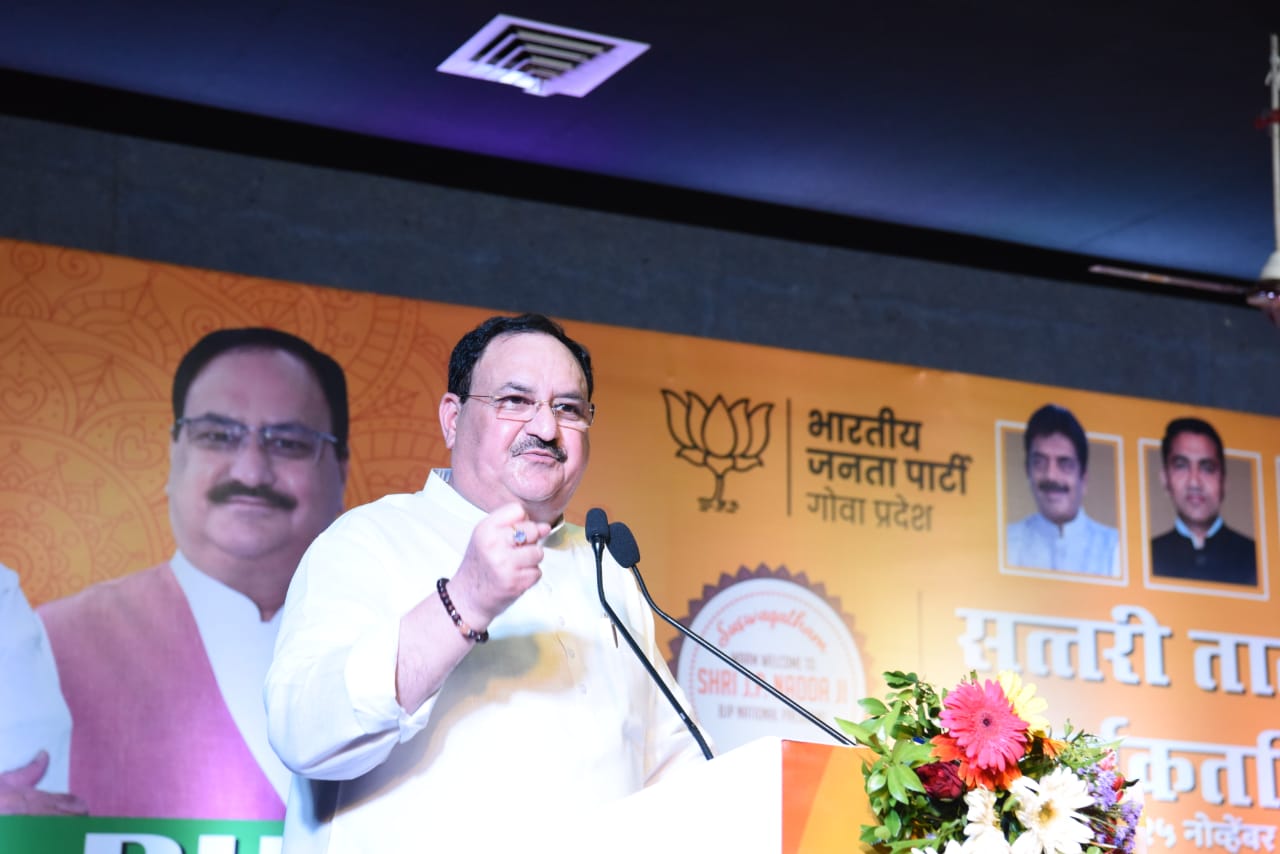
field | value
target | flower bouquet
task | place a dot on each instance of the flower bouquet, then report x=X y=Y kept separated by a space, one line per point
x=976 y=771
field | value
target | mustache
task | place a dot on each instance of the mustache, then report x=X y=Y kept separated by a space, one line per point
x=224 y=492
x=1052 y=486
x=531 y=443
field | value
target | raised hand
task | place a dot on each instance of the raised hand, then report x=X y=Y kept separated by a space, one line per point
x=500 y=564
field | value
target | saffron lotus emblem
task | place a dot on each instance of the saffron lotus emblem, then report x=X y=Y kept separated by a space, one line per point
x=718 y=436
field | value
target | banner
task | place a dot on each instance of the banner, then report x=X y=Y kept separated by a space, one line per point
x=823 y=519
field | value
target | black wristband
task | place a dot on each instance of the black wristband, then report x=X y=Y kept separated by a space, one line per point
x=467 y=632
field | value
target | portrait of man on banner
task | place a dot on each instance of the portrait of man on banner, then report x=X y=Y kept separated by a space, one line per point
x=1059 y=535
x=1201 y=546
x=162 y=668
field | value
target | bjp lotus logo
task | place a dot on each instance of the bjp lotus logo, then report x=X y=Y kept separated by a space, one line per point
x=719 y=436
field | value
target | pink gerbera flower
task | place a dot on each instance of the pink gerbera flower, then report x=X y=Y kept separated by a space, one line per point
x=987 y=732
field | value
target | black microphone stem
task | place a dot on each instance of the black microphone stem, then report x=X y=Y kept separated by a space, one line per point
x=598 y=546
x=732 y=662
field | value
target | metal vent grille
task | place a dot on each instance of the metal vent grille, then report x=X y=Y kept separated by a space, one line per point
x=542 y=59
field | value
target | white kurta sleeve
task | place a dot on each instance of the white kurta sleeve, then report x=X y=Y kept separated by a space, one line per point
x=330 y=694
x=41 y=721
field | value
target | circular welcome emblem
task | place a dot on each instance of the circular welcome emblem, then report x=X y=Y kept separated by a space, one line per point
x=783 y=630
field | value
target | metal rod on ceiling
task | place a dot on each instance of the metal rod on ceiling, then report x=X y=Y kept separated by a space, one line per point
x=1274 y=79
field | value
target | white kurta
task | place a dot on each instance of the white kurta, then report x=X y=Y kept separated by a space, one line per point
x=33 y=715
x=1082 y=545
x=239 y=644
x=549 y=718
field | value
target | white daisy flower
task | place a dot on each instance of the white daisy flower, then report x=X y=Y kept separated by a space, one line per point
x=983 y=832
x=987 y=840
x=1049 y=812
x=982 y=806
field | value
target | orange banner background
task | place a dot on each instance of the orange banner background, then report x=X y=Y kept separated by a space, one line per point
x=88 y=345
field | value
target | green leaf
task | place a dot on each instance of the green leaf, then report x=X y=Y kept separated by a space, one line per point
x=913 y=753
x=860 y=733
x=873 y=706
x=896 y=791
x=910 y=779
x=891 y=720
x=900 y=781
x=898 y=679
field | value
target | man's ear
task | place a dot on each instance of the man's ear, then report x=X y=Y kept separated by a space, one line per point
x=450 y=409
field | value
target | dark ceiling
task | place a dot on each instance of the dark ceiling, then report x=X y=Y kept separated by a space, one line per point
x=1118 y=132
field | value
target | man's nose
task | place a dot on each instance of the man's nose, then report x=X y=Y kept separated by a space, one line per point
x=251 y=464
x=543 y=424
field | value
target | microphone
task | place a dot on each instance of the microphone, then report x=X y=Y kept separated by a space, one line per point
x=622 y=545
x=599 y=533
x=625 y=549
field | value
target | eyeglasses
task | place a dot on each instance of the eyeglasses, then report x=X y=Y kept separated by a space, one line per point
x=573 y=414
x=281 y=441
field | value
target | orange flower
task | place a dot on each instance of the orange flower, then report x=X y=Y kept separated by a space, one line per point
x=947 y=749
x=1052 y=747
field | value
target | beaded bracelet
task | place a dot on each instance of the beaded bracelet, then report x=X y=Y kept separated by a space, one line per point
x=467 y=632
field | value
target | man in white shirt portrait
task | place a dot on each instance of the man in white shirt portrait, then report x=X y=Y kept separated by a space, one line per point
x=1060 y=536
x=163 y=668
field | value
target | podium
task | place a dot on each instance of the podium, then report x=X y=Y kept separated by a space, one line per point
x=770 y=796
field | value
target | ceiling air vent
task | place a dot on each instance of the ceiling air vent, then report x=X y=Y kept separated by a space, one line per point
x=541 y=59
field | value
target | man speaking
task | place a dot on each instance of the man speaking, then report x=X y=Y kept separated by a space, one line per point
x=445 y=675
